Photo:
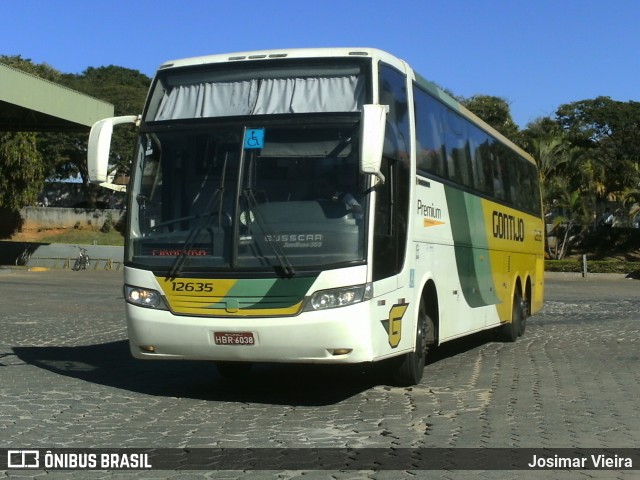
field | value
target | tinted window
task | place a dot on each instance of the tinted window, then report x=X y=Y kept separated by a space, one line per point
x=458 y=162
x=452 y=148
x=393 y=92
x=479 y=143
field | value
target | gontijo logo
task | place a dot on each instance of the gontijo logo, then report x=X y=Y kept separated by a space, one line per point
x=508 y=227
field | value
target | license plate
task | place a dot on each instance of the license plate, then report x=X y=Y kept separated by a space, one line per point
x=234 y=338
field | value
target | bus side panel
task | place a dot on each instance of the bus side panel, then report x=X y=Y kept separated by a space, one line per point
x=475 y=250
x=444 y=252
x=517 y=251
x=393 y=315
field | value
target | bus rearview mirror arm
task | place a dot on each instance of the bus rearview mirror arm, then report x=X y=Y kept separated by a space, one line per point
x=372 y=127
x=100 y=145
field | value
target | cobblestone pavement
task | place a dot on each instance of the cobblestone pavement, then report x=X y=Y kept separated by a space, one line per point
x=67 y=381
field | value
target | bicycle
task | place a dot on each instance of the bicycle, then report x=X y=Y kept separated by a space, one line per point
x=24 y=258
x=82 y=262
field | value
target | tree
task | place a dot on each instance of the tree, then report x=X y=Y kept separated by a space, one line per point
x=495 y=111
x=546 y=143
x=64 y=154
x=568 y=224
x=21 y=170
x=126 y=89
x=608 y=132
x=42 y=70
x=22 y=166
x=564 y=181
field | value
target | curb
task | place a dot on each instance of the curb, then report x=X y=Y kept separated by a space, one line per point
x=579 y=276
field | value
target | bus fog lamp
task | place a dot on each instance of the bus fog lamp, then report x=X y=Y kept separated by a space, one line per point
x=339 y=297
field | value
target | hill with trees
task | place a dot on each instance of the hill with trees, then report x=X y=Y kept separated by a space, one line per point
x=28 y=158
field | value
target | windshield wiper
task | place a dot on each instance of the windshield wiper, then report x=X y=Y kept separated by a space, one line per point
x=216 y=201
x=269 y=237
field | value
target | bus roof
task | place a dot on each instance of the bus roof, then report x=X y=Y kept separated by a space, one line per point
x=346 y=52
x=281 y=53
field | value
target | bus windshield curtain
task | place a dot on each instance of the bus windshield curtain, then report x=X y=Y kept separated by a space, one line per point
x=263 y=97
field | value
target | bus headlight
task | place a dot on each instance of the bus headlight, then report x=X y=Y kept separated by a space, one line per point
x=143 y=297
x=339 y=297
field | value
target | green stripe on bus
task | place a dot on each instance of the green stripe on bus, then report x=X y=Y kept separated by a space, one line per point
x=471 y=248
x=272 y=293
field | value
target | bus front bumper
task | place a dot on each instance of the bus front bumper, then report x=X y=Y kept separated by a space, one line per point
x=340 y=335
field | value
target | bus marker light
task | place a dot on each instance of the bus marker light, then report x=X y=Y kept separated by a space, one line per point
x=341 y=351
x=147 y=348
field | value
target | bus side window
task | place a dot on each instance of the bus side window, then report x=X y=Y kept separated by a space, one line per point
x=390 y=224
x=481 y=161
x=458 y=155
x=383 y=220
x=533 y=197
x=393 y=92
x=509 y=167
x=430 y=149
x=496 y=173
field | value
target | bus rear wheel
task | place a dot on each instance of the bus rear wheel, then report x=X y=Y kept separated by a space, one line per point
x=411 y=367
x=511 y=331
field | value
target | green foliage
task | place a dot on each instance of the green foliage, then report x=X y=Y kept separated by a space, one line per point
x=608 y=134
x=64 y=154
x=566 y=226
x=85 y=236
x=21 y=170
x=108 y=224
x=126 y=89
x=593 y=266
x=588 y=155
x=41 y=70
x=495 y=111
x=611 y=243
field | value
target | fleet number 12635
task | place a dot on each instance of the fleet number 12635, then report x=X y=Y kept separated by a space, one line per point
x=192 y=286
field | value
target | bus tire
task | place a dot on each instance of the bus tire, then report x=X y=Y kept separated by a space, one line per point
x=233 y=370
x=510 y=332
x=411 y=367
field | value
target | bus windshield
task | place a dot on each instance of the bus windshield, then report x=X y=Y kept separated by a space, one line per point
x=244 y=197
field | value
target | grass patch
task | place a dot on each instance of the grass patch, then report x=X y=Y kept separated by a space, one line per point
x=593 y=266
x=74 y=236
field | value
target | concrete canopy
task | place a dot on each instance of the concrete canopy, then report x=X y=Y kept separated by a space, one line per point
x=31 y=104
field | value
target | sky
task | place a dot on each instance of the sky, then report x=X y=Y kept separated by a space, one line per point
x=536 y=54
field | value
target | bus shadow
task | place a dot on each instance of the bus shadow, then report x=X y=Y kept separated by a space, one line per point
x=459 y=346
x=111 y=364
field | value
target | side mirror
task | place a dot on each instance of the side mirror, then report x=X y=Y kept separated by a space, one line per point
x=100 y=145
x=372 y=126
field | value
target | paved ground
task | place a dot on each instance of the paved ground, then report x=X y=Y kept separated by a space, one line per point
x=67 y=380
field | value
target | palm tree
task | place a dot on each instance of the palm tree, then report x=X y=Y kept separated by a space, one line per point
x=572 y=221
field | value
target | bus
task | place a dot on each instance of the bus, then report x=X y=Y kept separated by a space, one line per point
x=326 y=206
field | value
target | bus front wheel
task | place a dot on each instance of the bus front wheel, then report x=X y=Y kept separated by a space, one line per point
x=411 y=367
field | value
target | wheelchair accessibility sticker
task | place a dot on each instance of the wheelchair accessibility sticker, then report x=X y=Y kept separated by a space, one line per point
x=254 y=138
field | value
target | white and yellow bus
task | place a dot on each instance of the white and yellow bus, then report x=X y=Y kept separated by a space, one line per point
x=320 y=206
